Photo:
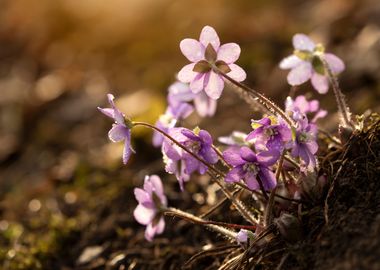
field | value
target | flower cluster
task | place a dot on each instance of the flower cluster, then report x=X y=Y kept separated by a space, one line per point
x=254 y=160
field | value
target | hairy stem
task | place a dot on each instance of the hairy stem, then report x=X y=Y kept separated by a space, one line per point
x=215 y=226
x=269 y=105
x=339 y=96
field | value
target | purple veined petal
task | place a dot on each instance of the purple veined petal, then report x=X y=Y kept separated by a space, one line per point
x=290 y=62
x=295 y=150
x=182 y=176
x=302 y=104
x=186 y=74
x=170 y=150
x=197 y=84
x=335 y=63
x=118 y=116
x=209 y=155
x=234 y=175
x=209 y=36
x=181 y=110
x=268 y=158
x=191 y=164
x=204 y=105
x=285 y=132
x=158 y=138
x=237 y=73
x=229 y=52
x=143 y=198
x=143 y=215
x=205 y=137
x=192 y=49
x=214 y=86
x=320 y=83
x=190 y=135
x=107 y=111
x=247 y=154
x=118 y=133
x=268 y=178
x=251 y=181
x=242 y=236
x=300 y=74
x=313 y=105
x=303 y=43
x=312 y=159
x=312 y=147
x=232 y=156
x=128 y=150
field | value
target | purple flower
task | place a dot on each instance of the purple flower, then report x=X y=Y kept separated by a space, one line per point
x=236 y=138
x=303 y=106
x=248 y=166
x=180 y=92
x=120 y=130
x=242 y=236
x=180 y=162
x=305 y=64
x=151 y=200
x=305 y=145
x=205 y=55
x=267 y=132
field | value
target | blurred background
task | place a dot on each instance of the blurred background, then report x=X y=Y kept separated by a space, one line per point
x=58 y=59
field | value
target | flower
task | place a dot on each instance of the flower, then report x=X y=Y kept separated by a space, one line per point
x=152 y=201
x=305 y=64
x=180 y=162
x=267 y=132
x=305 y=144
x=248 y=166
x=205 y=55
x=121 y=129
x=242 y=236
x=237 y=138
x=180 y=92
x=303 y=106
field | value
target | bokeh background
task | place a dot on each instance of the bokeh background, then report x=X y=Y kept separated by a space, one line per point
x=58 y=59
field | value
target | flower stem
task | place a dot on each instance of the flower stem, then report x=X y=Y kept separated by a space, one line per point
x=263 y=100
x=339 y=96
x=213 y=225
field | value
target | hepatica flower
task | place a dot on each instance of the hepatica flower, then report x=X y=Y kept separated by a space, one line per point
x=180 y=162
x=248 y=166
x=205 y=55
x=120 y=130
x=152 y=201
x=305 y=64
x=270 y=133
x=301 y=105
x=305 y=145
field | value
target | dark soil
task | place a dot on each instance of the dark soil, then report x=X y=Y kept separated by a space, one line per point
x=349 y=221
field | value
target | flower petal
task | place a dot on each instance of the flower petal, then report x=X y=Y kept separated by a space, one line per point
x=186 y=74
x=232 y=156
x=334 y=62
x=118 y=133
x=268 y=158
x=118 y=115
x=209 y=155
x=209 y=36
x=237 y=73
x=192 y=49
x=197 y=84
x=251 y=181
x=180 y=92
x=290 y=62
x=204 y=105
x=234 y=175
x=303 y=42
x=143 y=198
x=320 y=83
x=300 y=74
x=127 y=151
x=247 y=154
x=229 y=52
x=107 y=111
x=143 y=215
x=268 y=178
x=214 y=86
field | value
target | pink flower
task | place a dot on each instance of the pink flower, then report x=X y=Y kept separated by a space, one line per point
x=151 y=200
x=305 y=64
x=205 y=55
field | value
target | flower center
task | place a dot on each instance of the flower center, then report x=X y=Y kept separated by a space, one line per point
x=303 y=137
x=251 y=167
x=270 y=132
x=194 y=146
